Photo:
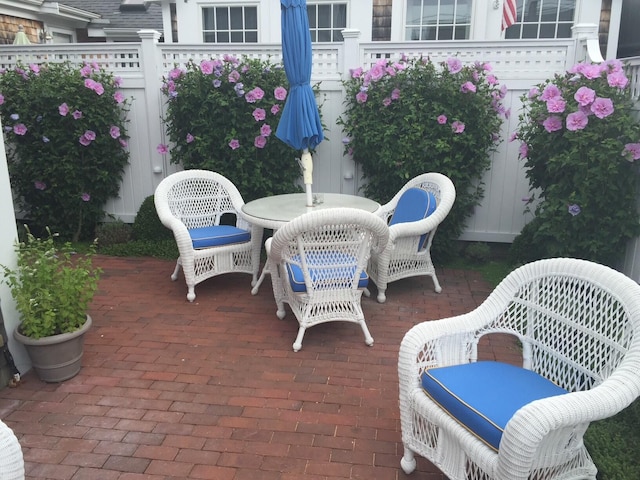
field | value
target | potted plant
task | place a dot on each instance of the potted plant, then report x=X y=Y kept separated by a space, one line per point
x=52 y=287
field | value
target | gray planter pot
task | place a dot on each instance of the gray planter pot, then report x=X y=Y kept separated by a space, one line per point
x=58 y=357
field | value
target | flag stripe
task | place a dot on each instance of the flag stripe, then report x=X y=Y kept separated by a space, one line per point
x=508 y=14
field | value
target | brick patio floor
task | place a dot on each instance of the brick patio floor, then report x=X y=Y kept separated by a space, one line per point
x=213 y=390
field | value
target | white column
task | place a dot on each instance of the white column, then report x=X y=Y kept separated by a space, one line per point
x=8 y=238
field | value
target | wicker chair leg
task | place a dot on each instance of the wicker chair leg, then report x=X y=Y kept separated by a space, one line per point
x=408 y=461
x=176 y=271
x=436 y=283
x=368 y=339
x=297 y=345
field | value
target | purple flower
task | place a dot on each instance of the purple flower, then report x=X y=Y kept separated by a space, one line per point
x=533 y=93
x=631 y=151
x=39 y=185
x=280 y=93
x=175 y=73
x=395 y=94
x=265 y=130
x=549 y=92
x=259 y=114
x=63 y=109
x=90 y=134
x=591 y=71
x=85 y=197
x=355 y=72
x=376 y=72
x=239 y=89
x=346 y=140
x=77 y=114
x=250 y=97
x=442 y=119
x=362 y=96
x=20 y=129
x=14 y=116
x=114 y=131
x=454 y=65
x=190 y=138
x=577 y=121
x=457 y=127
x=206 y=67
x=234 y=144
x=275 y=109
x=552 y=123
x=513 y=136
x=617 y=79
x=35 y=68
x=468 y=87
x=602 y=107
x=492 y=80
x=117 y=82
x=585 y=96
x=118 y=97
x=523 y=150
x=257 y=93
x=574 y=209
x=45 y=139
x=84 y=141
x=85 y=71
x=234 y=76
x=162 y=149
x=123 y=142
x=386 y=102
x=1 y=99
x=556 y=105
x=216 y=83
x=259 y=142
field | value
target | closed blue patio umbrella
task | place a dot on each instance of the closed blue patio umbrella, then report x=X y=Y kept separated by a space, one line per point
x=300 y=125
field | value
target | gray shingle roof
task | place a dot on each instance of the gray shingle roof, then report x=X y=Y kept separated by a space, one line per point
x=110 y=10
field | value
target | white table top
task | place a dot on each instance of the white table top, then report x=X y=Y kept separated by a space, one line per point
x=275 y=211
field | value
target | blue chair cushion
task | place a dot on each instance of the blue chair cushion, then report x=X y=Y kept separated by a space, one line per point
x=315 y=262
x=414 y=204
x=483 y=396
x=218 y=235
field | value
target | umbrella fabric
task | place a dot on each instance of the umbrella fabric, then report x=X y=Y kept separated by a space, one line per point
x=300 y=125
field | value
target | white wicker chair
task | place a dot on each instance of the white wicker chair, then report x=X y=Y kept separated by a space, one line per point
x=408 y=253
x=11 y=459
x=197 y=199
x=579 y=326
x=317 y=263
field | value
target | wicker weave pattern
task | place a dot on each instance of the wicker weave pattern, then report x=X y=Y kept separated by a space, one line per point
x=199 y=198
x=579 y=324
x=332 y=248
x=11 y=460
x=402 y=257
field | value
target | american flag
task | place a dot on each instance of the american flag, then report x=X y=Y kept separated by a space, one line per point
x=508 y=14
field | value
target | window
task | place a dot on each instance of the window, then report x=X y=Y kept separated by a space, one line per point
x=543 y=19
x=230 y=24
x=438 y=20
x=326 y=21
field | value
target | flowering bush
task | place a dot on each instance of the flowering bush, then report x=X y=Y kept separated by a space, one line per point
x=222 y=115
x=579 y=141
x=403 y=119
x=65 y=130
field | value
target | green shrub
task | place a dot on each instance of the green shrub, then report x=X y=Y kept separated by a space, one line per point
x=65 y=127
x=478 y=252
x=147 y=226
x=403 y=119
x=577 y=135
x=222 y=115
x=111 y=233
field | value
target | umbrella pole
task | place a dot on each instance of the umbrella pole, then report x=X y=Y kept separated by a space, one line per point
x=307 y=174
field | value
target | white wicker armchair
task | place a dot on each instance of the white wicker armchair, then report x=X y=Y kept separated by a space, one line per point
x=11 y=459
x=408 y=253
x=579 y=326
x=190 y=203
x=317 y=263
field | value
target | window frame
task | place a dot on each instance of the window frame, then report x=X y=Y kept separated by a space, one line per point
x=314 y=31
x=521 y=26
x=438 y=25
x=230 y=31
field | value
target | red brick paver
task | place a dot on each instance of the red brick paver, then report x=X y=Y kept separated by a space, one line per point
x=213 y=390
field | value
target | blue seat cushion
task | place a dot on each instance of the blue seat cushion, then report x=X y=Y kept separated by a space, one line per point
x=483 y=396
x=414 y=204
x=318 y=270
x=218 y=235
